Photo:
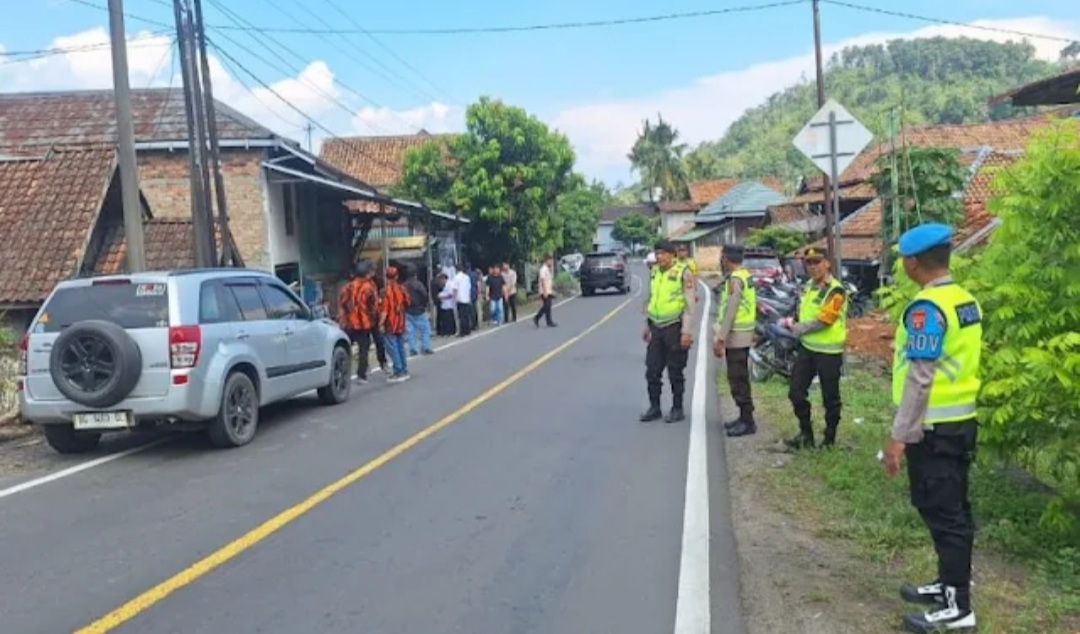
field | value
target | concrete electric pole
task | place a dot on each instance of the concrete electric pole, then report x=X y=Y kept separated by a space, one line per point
x=831 y=223
x=125 y=141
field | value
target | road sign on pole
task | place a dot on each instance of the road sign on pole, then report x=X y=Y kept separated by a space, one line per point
x=831 y=140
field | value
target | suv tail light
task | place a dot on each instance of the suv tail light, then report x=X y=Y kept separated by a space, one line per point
x=184 y=345
x=24 y=359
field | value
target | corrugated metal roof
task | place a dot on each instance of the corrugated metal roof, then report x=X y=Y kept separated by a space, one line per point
x=749 y=198
x=690 y=236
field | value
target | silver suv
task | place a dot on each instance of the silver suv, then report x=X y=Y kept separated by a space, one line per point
x=204 y=346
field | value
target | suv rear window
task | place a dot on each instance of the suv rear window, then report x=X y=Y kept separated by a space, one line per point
x=601 y=259
x=761 y=263
x=125 y=304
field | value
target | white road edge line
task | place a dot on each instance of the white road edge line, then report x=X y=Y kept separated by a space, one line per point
x=693 y=605
x=97 y=462
x=83 y=466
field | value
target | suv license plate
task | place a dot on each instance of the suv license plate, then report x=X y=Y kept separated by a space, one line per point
x=102 y=420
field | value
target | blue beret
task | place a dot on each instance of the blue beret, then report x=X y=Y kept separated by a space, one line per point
x=923 y=238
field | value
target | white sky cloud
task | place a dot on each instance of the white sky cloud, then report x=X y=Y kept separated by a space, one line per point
x=603 y=132
x=87 y=68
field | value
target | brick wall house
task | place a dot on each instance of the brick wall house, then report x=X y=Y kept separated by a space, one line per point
x=163 y=178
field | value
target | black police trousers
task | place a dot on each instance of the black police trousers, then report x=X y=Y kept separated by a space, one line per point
x=665 y=351
x=826 y=367
x=738 y=377
x=938 y=470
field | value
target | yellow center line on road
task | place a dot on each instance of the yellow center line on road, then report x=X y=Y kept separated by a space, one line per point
x=230 y=551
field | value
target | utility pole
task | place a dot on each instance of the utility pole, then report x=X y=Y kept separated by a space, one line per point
x=309 y=128
x=230 y=255
x=125 y=133
x=207 y=205
x=203 y=257
x=830 y=222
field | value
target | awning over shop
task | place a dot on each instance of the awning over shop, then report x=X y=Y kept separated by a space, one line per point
x=694 y=234
x=354 y=192
x=344 y=188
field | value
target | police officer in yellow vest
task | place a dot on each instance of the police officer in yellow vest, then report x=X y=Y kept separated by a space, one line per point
x=734 y=334
x=935 y=385
x=822 y=332
x=682 y=254
x=669 y=310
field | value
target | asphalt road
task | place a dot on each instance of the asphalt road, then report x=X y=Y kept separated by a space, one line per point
x=538 y=504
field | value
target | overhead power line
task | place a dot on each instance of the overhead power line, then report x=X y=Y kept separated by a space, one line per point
x=923 y=18
x=330 y=133
x=586 y=24
x=8 y=57
x=389 y=50
x=582 y=24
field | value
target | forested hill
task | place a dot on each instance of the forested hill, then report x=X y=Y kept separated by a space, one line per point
x=939 y=80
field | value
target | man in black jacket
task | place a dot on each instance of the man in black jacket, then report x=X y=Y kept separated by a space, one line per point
x=417 y=319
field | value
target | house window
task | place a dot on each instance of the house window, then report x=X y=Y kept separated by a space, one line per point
x=289 y=208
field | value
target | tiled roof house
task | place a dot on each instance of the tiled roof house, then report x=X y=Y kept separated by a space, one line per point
x=376 y=160
x=57 y=210
x=984 y=148
x=286 y=207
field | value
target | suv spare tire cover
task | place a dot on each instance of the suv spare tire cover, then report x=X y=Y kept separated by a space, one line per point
x=95 y=363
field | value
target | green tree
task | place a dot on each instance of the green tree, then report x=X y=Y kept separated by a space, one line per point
x=927 y=179
x=777 y=238
x=657 y=157
x=579 y=214
x=1028 y=282
x=505 y=174
x=635 y=230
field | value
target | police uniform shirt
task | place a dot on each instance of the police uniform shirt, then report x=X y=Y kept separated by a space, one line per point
x=830 y=309
x=925 y=325
x=689 y=294
x=733 y=339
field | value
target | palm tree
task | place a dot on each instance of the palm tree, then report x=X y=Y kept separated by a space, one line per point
x=657 y=156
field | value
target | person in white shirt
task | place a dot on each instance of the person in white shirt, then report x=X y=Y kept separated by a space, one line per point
x=463 y=294
x=547 y=292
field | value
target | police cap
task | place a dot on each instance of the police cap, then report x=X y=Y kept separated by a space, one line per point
x=923 y=238
x=815 y=253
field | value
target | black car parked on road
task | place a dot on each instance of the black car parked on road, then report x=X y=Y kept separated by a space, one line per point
x=603 y=270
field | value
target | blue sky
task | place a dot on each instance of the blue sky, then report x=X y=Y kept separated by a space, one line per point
x=595 y=84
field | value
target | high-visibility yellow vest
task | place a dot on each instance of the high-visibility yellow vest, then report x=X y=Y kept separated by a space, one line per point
x=690 y=263
x=666 y=299
x=746 y=315
x=831 y=339
x=956 y=383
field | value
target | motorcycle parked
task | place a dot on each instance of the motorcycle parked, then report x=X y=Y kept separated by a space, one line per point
x=774 y=353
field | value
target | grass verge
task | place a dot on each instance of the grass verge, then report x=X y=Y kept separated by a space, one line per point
x=1027 y=573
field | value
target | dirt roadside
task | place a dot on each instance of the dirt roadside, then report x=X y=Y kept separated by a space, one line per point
x=793 y=579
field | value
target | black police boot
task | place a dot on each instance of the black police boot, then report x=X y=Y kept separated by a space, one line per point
x=953 y=615
x=733 y=422
x=926 y=594
x=803 y=440
x=830 y=437
x=675 y=415
x=745 y=427
x=651 y=414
